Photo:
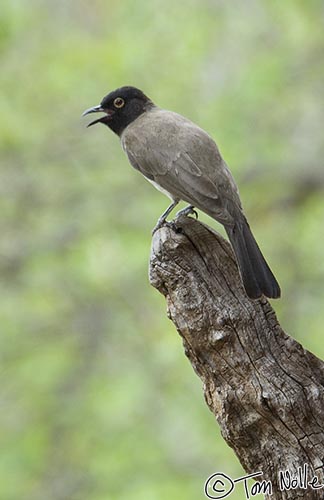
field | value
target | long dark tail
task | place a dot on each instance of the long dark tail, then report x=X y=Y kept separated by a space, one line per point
x=256 y=275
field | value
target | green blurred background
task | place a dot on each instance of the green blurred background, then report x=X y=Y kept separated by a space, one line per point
x=98 y=401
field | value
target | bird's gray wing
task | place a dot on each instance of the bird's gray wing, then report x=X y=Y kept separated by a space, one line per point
x=181 y=158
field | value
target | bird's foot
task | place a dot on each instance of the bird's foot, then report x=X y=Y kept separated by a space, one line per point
x=161 y=221
x=189 y=210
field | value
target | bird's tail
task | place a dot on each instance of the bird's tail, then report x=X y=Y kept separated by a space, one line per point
x=256 y=275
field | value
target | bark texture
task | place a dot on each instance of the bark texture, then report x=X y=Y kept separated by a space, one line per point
x=265 y=389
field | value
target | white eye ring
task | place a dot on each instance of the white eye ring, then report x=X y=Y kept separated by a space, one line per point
x=119 y=102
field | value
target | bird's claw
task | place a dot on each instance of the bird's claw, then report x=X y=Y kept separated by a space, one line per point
x=159 y=224
x=170 y=224
x=189 y=210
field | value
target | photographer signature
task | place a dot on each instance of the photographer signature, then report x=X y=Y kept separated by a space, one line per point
x=219 y=485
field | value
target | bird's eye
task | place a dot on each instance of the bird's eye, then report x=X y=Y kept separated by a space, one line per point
x=119 y=102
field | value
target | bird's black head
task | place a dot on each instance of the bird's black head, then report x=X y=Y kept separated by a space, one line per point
x=121 y=107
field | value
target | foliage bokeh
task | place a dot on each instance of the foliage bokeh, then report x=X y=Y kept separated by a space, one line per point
x=98 y=401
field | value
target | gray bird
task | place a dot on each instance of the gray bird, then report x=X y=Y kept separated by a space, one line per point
x=183 y=162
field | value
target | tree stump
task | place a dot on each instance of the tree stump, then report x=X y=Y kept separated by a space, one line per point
x=265 y=390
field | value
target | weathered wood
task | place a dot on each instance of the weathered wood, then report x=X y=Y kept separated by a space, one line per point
x=264 y=388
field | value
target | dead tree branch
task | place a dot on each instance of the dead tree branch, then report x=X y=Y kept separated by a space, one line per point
x=265 y=389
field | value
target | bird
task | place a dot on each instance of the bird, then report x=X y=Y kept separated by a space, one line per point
x=183 y=162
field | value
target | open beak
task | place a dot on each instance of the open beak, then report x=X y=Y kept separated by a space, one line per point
x=99 y=109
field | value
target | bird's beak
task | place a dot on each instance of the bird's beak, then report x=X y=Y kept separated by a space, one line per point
x=95 y=109
x=99 y=109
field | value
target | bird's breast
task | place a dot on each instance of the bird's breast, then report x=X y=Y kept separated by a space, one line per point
x=161 y=189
